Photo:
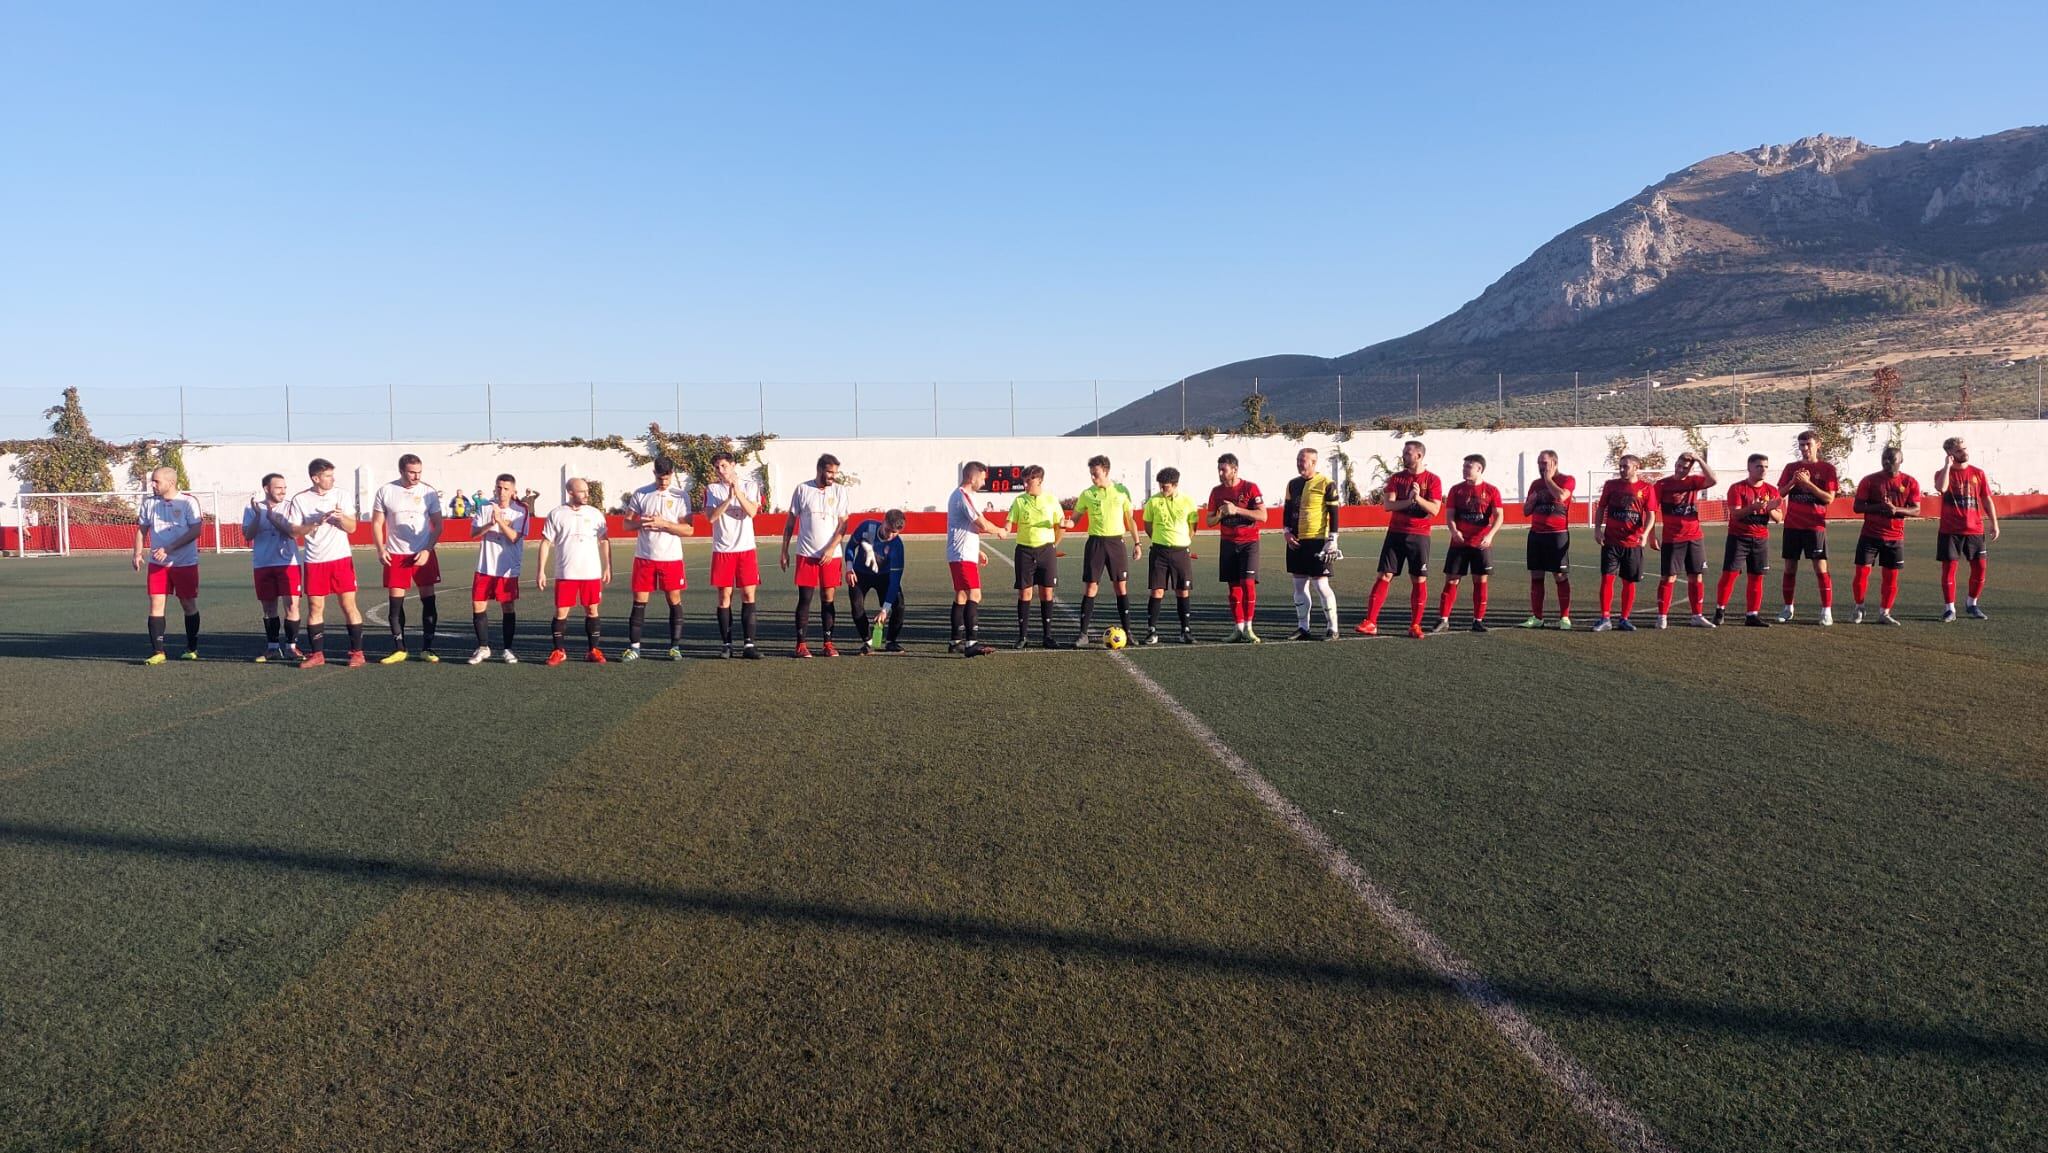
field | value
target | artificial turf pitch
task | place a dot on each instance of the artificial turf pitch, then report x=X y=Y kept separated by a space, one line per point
x=1776 y=890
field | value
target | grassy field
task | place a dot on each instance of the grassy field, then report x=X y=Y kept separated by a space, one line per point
x=1776 y=890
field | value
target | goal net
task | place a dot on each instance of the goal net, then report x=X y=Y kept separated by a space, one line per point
x=69 y=523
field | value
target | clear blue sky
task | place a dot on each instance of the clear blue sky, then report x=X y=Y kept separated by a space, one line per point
x=428 y=197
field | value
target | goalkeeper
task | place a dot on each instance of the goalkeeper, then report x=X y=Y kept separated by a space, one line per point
x=874 y=563
x=1310 y=516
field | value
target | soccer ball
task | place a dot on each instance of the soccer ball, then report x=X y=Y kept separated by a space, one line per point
x=1114 y=638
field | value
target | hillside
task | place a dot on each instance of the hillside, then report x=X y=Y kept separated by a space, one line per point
x=1822 y=255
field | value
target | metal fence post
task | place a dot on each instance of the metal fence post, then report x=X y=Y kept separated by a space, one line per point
x=679 y=407
x=490 y=414
x=761 y=400
x=1098 y=406
x=390 y=414
x=935 y=408
x=856 y=410
x=181 y=412
x=1183 y=404
x=287 y=414
x=1500 y=396
x=1340 y=401
x=1013 y=408
x=593 y=410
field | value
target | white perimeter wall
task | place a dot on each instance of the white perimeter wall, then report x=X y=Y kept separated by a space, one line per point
x=916 y=473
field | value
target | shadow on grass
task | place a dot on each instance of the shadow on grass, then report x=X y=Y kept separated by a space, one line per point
x=1861 y=1034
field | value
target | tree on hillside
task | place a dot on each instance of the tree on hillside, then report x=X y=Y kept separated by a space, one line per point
x=1884 y=393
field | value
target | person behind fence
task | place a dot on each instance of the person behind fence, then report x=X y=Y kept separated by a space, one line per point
x=874 y=563
x=274 y=559
x=167 y=540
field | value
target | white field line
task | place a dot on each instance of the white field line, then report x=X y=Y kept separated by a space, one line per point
x=1621 y=1123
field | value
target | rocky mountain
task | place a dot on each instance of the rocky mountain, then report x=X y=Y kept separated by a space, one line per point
x=1767 y=259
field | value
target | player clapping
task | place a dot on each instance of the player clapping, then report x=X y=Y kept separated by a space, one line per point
x=1753 y=505
x=1683 y=547
x=500 y=527
x=1475 y=516
x=1625 y=513
x=1886 y=498
x=575 y=538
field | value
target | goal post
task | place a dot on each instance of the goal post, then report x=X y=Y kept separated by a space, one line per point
x=47 y=524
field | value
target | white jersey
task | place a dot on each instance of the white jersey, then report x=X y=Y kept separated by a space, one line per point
x=578 y=534
x=269 y=545
x=650 y=501
x=733 y=532
x=166 y=519
x=326 y=543
x=818 y=512
x=963 y=540
x=495 y=556
x=408 y=514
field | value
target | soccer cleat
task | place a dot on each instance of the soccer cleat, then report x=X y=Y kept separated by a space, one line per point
x=865 y=649
x=1330 y=635
x=1948 y=615
x=1564 y=624
x=430 y=656
x=1857 y=619
x=1366 y=629
x=977 y=649
x=750 y=652
x=632 y=653
x=156 y=659
x=725 y=651
x=1302 y=635
x=1975 y=613
x=357 y=660
x=1045 y=642
x=189 y=655
x=1885 y=617
x=1081 y=642
x=1152 y=637
x=1700 y=622
x=1720 y=614
x=292 y=653
x=1416 y=632
x=1605 y=624
x=1187 y=636
x=270 y=653
x=1785 y=615
x=557 y=657
x=832 y=650
x=1624 y=625
x=1478 y=626
x=1755 y=621
x=594 y=656
x=1827 y=617
x=396 y=658
x=1443 y=625
x=893 y=647
x=1251 y=635
x=675 y=652
x=1663 y=622
x=1533 y=623
x=313 y=660
x=482 y=654
x=1021 y=643
x=510 y=657
x=953 y=646
x=803 y=651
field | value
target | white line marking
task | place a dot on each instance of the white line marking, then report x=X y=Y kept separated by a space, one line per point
x=1621 y=1123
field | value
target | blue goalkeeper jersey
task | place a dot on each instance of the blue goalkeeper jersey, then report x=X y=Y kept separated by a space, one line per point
x=872 y=558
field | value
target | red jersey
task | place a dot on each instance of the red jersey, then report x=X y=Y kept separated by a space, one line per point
x=1470 y=509
x=1548 y=513
x=1404 y=485
x=1678 y=502
x=1750 y=526
x=1963 y=500
x=1243 y=494
x=1625 y=510
x=1802 y=508
x=1886 y=488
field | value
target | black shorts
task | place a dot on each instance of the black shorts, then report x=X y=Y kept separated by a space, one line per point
x=1751 y=553
x=1626 y=560
x=1967 y=546
x=876 y=583
x=1305 y=558
x=1806 y=542
x=1170 y=567
x=1038 y=568
x=1237 y=562
x=1883 y=553
x=1463 y=559
x=1692 y=554
x=1409 y=550
x=1105 y=555
x=1550 y=552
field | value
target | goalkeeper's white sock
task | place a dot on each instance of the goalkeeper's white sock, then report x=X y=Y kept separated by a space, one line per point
x=1329 y=596
x=1301 y=603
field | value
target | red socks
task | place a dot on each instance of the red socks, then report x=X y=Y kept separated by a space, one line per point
x=1606 y=594
x=1237 y=604
x=1726 y=590
x=1628 y=598
x=1696 y=593
x=1948 y=582
x=1890 y=588
x=1663 y=598
x=1564 y=596
x=1479 y=601
x=1379 y=600
x=1450 y=598
x=1791 y=581
x=1860 y=586
x=1977 y=569
x=1251 y=600
x=1827 y=590
x=1418 y=600
x=1756 y=594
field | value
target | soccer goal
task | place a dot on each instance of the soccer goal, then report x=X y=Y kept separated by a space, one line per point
x=70 y=523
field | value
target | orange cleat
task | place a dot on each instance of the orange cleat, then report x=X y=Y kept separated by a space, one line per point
x=596 y=657
x=356 y=659
x=1367 y=629
x=313 y=660
x=557 y=657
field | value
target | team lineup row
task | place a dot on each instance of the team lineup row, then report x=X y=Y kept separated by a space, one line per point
x=301 y=550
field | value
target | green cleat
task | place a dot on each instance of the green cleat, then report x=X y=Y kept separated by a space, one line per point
x=675 y=652
x=1533 y=623
x=1251 y=635
x=632 y=653
x=1564 y=623
x=156 y=659
x=188 y=655
x=430 y=657
x=398 y=657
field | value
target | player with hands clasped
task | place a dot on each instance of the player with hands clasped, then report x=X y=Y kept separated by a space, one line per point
x=1810 y=486
x=1413 y=497
x=1475 y=515
x=405 y=522
x=1236 y=511
x=167 y=542
x=817 y=528
x=1752 y=506
x=1625 y=513
x=1886 y=499
x=274 y=561
x=1684 y=545
x=576 y=539
x=659 y=513
x=500 y=525
x=1966 y=509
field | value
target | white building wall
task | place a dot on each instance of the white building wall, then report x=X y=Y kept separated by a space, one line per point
x=915 y=473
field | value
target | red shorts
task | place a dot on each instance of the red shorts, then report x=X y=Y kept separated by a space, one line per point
x=403 y=572
x=966 y=574
x=740 y=569
x=570 y=593
x=276 y=581
x=325 y=578
x=181 y=581
x=818 y=574
x=484 y=587
x=658 y=575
